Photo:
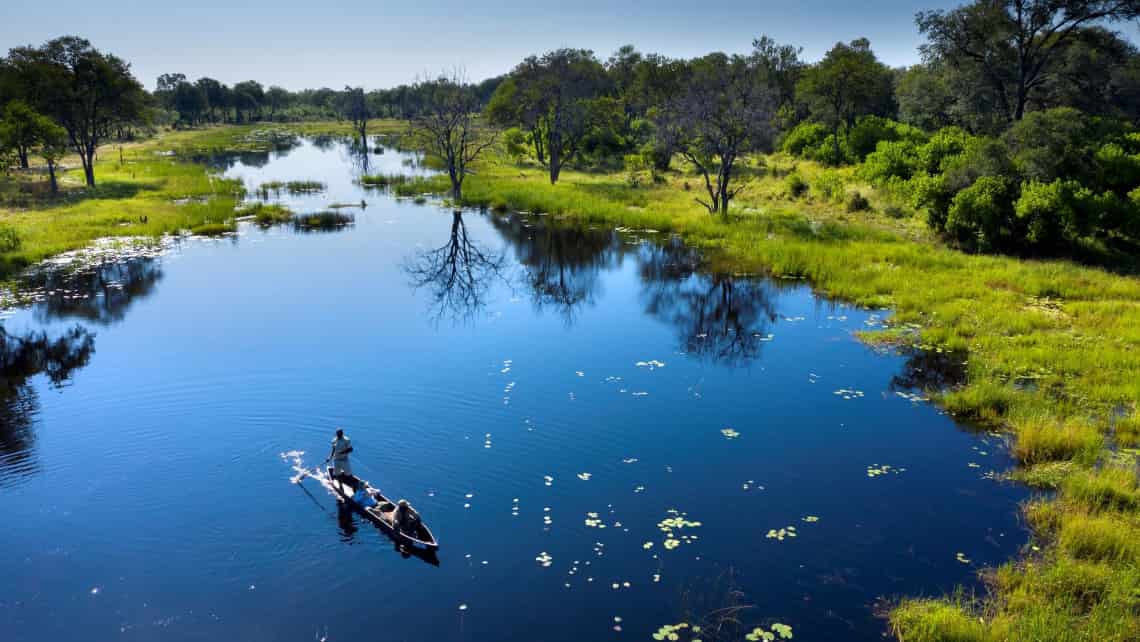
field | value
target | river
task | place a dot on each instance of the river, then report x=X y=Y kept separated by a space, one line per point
x=604 y=437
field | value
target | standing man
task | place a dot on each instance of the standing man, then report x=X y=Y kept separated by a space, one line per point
x=341 y=446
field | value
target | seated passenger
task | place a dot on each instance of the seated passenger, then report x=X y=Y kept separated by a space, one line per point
x=364 y=497
x=406 y=518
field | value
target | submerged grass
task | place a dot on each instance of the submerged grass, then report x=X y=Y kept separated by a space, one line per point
x=1053 y=347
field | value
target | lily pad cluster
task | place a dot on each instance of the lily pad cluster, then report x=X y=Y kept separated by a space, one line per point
x=673 y=525
x=674 y=631
x=875 y=470
x=729 y=433
x=849 y=393
x=782 y=631
x=779 y=535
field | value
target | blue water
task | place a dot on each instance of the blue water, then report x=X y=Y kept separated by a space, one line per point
x=486 y=368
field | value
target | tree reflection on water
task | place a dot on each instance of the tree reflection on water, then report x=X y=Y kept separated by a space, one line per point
x=457 y=275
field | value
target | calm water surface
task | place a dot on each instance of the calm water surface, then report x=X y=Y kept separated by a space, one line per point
x=546 y=397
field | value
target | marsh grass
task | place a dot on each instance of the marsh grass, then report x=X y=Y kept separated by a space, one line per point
x=322 y=221
x=265 y=214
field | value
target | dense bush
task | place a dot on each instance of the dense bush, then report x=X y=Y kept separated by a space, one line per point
x=980 y=216
x=9 y=240
x=856 y=202
x=795 y=185
x=803 y=137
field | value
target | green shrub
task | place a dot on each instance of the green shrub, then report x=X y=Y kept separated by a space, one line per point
x=1117 y=169
x=869 y=131
x=803 y=137
x=891 y=159
x=945 y=144
x=1047 y=212
x=515 y=143
x=856 y=202
x=796 y=185
x=9 y=239
x=980 y=216
x=982 y=157
x=896 y=212
x=830 y=185
x=1050 y=144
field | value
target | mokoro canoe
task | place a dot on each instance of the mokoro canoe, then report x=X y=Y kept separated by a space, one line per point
x=383 y=513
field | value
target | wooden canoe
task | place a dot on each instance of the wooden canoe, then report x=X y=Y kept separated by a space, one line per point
x=383 y=513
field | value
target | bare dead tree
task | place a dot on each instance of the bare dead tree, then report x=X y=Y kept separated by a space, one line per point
x=447 y=126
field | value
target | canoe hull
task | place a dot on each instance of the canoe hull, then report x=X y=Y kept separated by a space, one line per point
x=382 y=514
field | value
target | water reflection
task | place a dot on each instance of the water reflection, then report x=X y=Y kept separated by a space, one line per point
x=457 y=275
x=561 y=266
x=98 y=294
x=21 y=358
x=270 y=144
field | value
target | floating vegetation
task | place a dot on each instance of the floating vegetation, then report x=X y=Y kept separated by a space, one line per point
x=779 y=535
x=547 y=480
x=729 y=433
x=594 y=521
x=961 y=557
x=847 y=393
x=810 y=519
x=750 y=484
x=544 y=559
x=674 y=631
x=912 y=397
x=783 y=631
x=874 y=470
x=672 y=528
x=323 y=221
x=584 y=476
x=652 y=364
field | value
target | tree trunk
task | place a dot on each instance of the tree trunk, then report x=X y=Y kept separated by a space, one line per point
x=555 y=163
x=22 y=152
x=88 y=158
x=51 y=175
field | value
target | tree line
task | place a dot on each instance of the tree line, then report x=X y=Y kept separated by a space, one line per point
x=1016 y=130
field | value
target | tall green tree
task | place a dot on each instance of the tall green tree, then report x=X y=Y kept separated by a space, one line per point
x=848 y=83
x=555 y=99
x=53 y=146
x=354 y=108
x=724 y=109
x=89 y=93
x=22 y=129
x=216 y=96
x=1013 y=46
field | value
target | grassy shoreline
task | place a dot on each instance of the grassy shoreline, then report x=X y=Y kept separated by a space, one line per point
x=1053 y=347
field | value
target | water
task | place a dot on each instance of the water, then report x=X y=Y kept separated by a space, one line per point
x=512 y=379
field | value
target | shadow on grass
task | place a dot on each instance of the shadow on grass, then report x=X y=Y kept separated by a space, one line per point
x=23 y=194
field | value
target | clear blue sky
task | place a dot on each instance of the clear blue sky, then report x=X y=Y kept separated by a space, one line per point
x=299 y=44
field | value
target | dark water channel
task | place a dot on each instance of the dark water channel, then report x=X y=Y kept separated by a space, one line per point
x=545 y=396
